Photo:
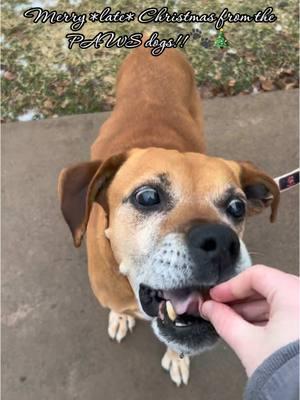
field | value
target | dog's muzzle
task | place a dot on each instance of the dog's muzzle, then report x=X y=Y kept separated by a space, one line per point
x=213 y=254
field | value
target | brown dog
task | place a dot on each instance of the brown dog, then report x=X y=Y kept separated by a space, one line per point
x=164 y=221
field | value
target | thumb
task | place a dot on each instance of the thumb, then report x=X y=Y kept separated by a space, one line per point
x=228 y=324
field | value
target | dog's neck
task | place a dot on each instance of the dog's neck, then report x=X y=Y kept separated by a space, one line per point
x=143 y=134
x=157 y=105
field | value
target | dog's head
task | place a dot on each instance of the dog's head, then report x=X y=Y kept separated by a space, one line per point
x=175 y=223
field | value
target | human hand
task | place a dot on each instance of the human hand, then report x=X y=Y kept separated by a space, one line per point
x=261 y=313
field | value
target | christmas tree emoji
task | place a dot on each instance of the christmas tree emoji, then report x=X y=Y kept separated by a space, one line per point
x=221 y=40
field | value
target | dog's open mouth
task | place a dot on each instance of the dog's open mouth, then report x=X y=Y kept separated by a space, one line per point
x=176 y=318
x=177 y=306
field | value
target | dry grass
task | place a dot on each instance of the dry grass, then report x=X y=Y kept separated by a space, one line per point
x=40 y=74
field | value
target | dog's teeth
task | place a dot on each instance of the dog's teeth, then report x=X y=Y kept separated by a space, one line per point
x=170 y=310
x=180 y=324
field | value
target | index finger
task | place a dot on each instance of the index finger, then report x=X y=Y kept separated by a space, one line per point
x=257 y=279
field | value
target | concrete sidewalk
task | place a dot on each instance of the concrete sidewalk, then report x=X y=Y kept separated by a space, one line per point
x=54 y=340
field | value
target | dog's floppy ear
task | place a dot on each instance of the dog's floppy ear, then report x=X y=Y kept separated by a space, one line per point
x=78 y=187
x=260 y=189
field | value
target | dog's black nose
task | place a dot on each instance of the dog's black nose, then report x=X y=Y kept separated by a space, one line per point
x=214 y=240
x=214 y=248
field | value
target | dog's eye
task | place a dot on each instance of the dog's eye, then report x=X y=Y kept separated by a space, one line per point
x=147 y=197
x=236 y=208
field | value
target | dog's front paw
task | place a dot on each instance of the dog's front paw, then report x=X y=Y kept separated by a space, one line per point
x=179 y=368
x=119 y=325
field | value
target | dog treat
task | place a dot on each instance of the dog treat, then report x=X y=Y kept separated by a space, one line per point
x=170 y=310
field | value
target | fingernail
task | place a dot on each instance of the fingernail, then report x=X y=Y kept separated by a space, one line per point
x=214 y=292
x=205 y=310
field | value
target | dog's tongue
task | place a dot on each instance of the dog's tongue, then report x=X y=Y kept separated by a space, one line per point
x=184 y=301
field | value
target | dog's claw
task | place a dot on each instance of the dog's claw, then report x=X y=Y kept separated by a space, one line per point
x=119 y=325
x=179 y=368
x=131 y=323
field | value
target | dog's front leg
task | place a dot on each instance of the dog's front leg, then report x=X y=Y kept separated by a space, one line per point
x=119 y=325
x=177 y=365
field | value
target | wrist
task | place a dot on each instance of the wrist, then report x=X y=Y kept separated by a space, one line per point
x=275 y=373
x=273 y=358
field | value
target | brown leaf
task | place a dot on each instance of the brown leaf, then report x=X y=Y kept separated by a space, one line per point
x=249 y=56
x=290 y=85
x=109 y=79
x=217 y=75
x=48 y=105
x=60 y=90
x=65 y=103
x=266 y=84
x=283 y=72
x=9 y=76
x=287 y=83
x=110 y=100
